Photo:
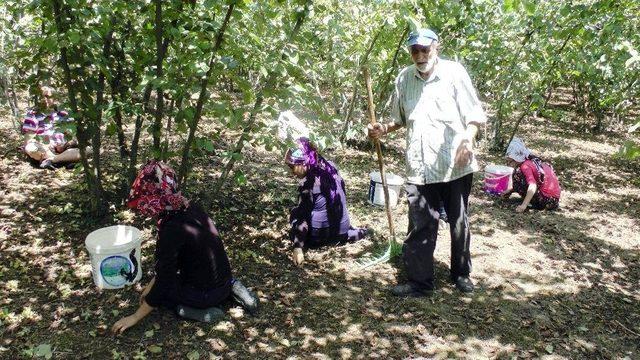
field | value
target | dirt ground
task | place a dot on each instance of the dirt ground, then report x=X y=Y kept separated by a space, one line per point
x=561 y=284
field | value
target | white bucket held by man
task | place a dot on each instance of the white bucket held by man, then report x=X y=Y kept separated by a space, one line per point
x=376 y=190
x=115 y=256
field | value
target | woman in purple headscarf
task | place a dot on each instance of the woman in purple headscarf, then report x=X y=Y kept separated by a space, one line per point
x=321 y=216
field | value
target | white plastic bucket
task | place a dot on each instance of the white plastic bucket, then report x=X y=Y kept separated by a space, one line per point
x=376 y=190
x=497 y=178
x=115 y=256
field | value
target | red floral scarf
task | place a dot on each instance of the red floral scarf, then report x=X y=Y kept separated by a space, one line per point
x=155 y=190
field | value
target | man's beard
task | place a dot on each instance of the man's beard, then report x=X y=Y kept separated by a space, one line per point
x=426 y=67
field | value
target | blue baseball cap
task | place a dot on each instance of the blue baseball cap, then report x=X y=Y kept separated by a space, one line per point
x=422 y=37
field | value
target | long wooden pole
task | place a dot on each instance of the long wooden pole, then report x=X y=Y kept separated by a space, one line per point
x=372 y=119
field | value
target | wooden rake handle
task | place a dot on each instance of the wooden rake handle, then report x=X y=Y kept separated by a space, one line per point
x=372 y=119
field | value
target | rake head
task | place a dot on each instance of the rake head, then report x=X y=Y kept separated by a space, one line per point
x=393 y=249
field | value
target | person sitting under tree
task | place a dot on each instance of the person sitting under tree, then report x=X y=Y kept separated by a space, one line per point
x=40 y=126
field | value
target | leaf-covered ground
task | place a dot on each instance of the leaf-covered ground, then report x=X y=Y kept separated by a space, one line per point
x=560 y=284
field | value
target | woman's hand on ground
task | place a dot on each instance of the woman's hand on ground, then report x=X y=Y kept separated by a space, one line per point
x=298 y=256
x=521 y=208
x=123 y=324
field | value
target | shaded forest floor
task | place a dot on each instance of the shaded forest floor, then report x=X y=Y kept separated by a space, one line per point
x=560 y=284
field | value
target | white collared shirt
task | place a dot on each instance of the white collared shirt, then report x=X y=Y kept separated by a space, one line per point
x=436 y=113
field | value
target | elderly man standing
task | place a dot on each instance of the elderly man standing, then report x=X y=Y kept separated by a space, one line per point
x=437 y=103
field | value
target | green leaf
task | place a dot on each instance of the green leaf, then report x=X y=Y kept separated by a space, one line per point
x=549 y=348
x=194 y=355
x=240 y=178
x=111 y=129
x=154 y=349
x=43 y=350
x=74 y=37
x=507 y=5
x=294 y=59
x=530 y=7
x=205 y=144
x=50 y=44
x=149 y=333
x=414 y=23
x=629 y=150
x=299 y=88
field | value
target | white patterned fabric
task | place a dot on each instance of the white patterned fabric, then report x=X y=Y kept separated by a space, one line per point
x=517 y=150
x=290 y=127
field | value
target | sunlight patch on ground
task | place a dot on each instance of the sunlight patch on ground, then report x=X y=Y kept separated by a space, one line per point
x=427 y=344
x=624 y=192
x=524 y=270
x=585 y=147
x=625 y=233
x=606 y=224
x=12 y=285
x=472 y=348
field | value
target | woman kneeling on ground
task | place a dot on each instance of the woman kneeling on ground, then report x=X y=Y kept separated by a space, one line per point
x=193 y=274
x=533 y=178
x=321 y=217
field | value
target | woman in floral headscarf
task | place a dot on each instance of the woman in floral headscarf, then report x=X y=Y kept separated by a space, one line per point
x=321 y=217
x=533 y=178
x=193 y=274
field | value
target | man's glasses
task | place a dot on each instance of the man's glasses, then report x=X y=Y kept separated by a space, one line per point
x=417 y=49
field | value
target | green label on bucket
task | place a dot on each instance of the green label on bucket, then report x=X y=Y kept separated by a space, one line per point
x=118 y=270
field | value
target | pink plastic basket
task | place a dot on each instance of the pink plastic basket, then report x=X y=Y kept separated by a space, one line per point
x=497 y=178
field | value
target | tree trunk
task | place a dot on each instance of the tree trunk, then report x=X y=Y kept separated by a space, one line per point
x=157 y=125
x=548 y=90
x=7 y=92
x=497 y=128
x=362 y=61
x=385 y=84
x=522 y=116
x=117 y=95
x=347 y=117
x=193 y=126
x=167 y=130
x=135 y=142
x=97 y=121
x=93 y=183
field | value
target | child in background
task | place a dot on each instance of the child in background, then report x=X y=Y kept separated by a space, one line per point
x=533 y=178
x=321 y=216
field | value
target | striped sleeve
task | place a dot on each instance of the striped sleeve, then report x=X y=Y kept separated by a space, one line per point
x=468 y=103
x=397 y=110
